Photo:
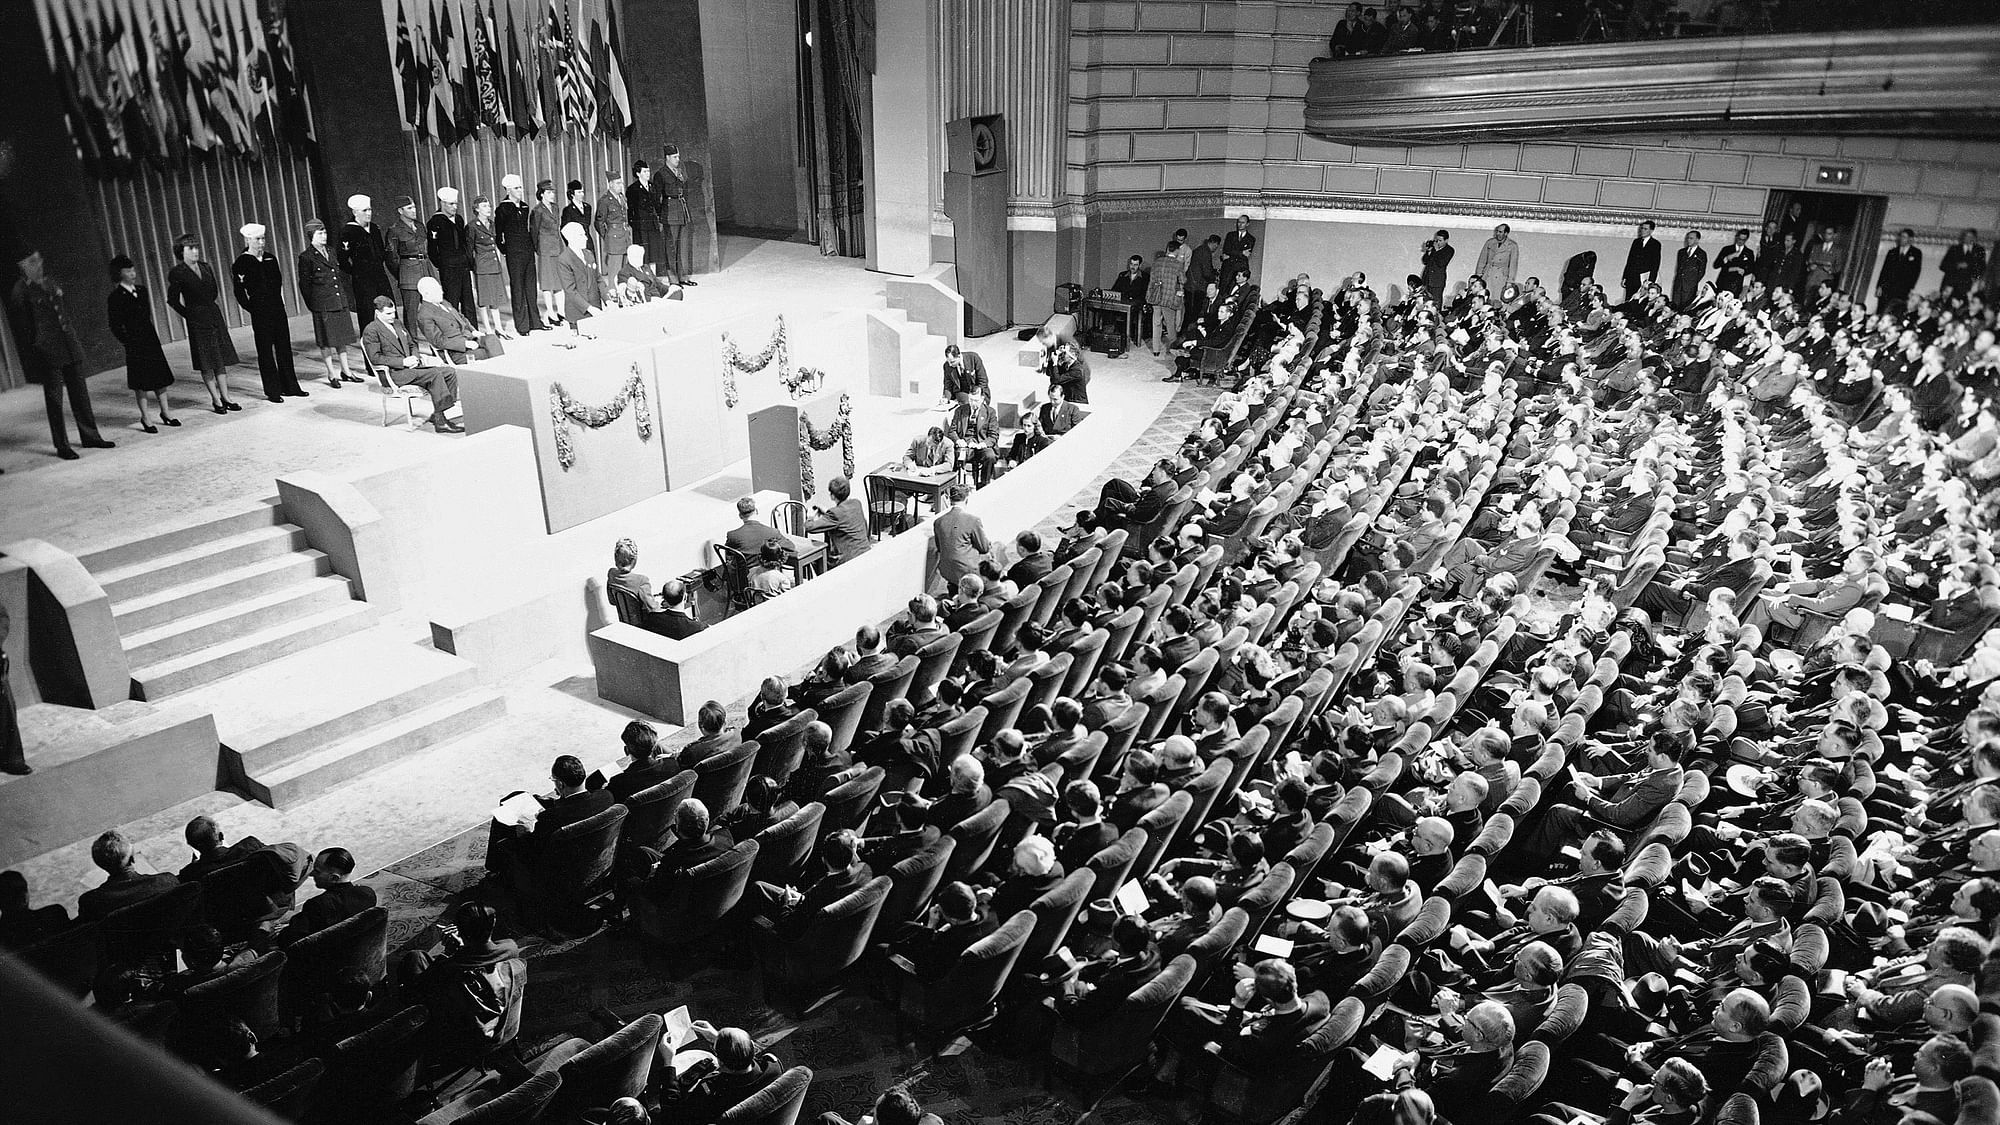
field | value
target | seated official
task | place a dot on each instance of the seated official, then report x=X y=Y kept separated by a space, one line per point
x=771 y=572
x=632 y=594
x=508 y=846
x=123 y=885
x=636 y=283
x=712 y=720
x=388 y=345
x=919 y=627
x=647 y=765
x=749 y=536
x=869 y=658
x=473 y=985
x=772 y=706
x=1266 y=1021
x=1049 y=421
x=764 y=804
x=790 y=909
x=1198 y=911
x=442 y=327
x=933 y=452
x=695 y=842
x=1083 y=831
x=845 y=525
x=975 y=427
x=1124 y=505
x=1032 y=873
x=338 y=898
x=1102 y=984
x=930 y=946
x=1033 y=564
x=713 y=1086
x=821 y=768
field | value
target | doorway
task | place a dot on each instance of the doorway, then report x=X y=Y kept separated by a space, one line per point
x=1856 y=220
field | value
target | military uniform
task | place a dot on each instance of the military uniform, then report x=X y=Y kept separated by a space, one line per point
x=448 y=244
x=672 y=194
x=364 y=256
x=409 y=249
x=260 y=289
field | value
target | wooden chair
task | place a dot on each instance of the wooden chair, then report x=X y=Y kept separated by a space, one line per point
x=891 y=511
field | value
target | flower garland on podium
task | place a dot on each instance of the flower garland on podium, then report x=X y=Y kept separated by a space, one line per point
x=564 y=410
x=734 y=361
x=812 y=438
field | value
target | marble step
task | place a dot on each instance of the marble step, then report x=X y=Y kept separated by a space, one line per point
x=264 y=513
x=205 y=559
x=345 y=759
x=236 y=619
x=207 y=665
x=217 y=590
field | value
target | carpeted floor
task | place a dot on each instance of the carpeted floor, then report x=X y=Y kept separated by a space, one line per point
x=851 y=1043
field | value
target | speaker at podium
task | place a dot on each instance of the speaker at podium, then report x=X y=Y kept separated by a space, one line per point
x=975 y=197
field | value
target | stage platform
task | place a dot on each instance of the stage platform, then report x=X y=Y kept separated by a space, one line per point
x=471 y=546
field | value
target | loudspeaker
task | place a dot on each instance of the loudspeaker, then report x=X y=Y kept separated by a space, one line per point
x=975 y=196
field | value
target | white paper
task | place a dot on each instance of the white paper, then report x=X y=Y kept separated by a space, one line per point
x=679 y=1029
x=1273 y=946
x=1383 y=1063
x=519 y=811
x=1132 y=898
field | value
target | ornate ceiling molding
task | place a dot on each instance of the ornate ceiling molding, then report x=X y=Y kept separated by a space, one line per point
x=1921 y=81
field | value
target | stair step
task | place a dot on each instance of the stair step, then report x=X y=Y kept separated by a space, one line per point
x=205 y=559
x=215 y=591
x=375 y=746
x=178 y=674
x=265 y=513
x=371 y=682
x=241 y=618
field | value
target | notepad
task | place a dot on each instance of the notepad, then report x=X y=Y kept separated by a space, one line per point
x=1271 y=945
x=1384 y=1062
x=679 y=1029
x=519 y=811
x=1132 y=899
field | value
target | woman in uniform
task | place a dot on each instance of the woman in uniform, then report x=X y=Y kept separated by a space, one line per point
x=545 y=225
x=489 y=277
x=324 y=285
x=130 y=313
x=192 y=289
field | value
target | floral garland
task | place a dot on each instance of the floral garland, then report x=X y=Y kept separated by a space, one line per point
x=564 y=410
x=806 y=381
x=812 y=438
x=733 y=361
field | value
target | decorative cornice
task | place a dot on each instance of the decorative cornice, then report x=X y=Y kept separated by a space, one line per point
x=1942 y=81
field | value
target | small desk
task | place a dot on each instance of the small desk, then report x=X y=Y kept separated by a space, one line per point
x=1116 y=306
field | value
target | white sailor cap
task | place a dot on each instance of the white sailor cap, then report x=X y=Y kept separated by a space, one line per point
x=511 y=180
x=251 y=230
x=359 y=203
x=447 y=195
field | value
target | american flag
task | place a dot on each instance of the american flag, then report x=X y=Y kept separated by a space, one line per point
x=579 y=100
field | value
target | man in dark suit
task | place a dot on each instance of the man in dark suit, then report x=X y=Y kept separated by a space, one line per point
x=960 y=538
x=968 y=606
x=123 y=885
x=1626 y=804
x=750 y=536
x=1735 y=263
x=1121 y=505
x=842 y=872
x=711 y=1088
x=513 y=233
x=696 y=841
x=260 y=289
x=508 y=846
x=716 y=737
x=964 y=372
x=337 y=901
x=1051 y=420
x=1102 y=985
x=1270 y=1038
x=869 y=657
x=1034 y=563
x=1205 y=266
x=385 y=343
x=1177 y=643
x=916 y=629
x=1437 y=257
x=1900 y=267
x=649 y=767
x=1642 y=261
x=929 y=946
x=845 y=524
x=1690 y=263
x=975 y=425
x=676 y=619
x=1084 y=833
x=1141 y=793
x=204 y=835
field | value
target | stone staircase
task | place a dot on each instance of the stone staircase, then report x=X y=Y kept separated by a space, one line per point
x=922 y=352
x=239 y=617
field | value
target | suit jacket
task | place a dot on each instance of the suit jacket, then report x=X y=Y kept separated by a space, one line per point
x=444 y=328
x=874 y=664
x=1733 y=264
x=976 y=427
x=1900 y=267
x=1029 y=569
x=681 y=855
x=1272 y=1041
x=383 y=345
x=1076 y=844
x=1642 y=262
x=1058 y=419
x=641 y=776
x=824 y=892
x=1690 y=263
x=1632 y=803
x=961 y=543
x=409 y=253
x=580 y=285
x=322 y=284
x=749 y=537
x=677 y=624
x=846 y=528
x=706 y=747
x=113 y=894
x=957 y=382
x=545 y=230
x=1111 y=982
x=1435 y=261
x=260 y=284
x=675 y=196
x=1132 y=287
x=335 y=904
x=511 y=229
x=580 y=805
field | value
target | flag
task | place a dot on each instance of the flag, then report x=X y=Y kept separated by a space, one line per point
x=444 y=98
x=526 y=108
x=408 y=91
x=488 y=72
x=600 y=72
x=288 y=89
x=579 y=100
x=614 y=79
x=464 y=77
x=552 y=50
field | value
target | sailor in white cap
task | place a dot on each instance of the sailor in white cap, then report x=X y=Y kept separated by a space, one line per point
x=363 y=254
x=450 y=249
x=511 y=233
x=260 y=289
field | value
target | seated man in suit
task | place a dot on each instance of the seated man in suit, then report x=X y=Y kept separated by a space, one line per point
x=749 y=537
x=1199 y=911
x=696 y=841
x=1051 y=420
x=917 y=628
x=790 y=910
x=968 y=606
x=1626 y=805
x=440 y=325
x=337 y=900
x=204 y=835
x=631 y=593
x=676 y=614
x=508 y=846
x=1132 y=959
x=636 y=282
x=648 y=766
x=713 y=1087
x=975 y=426
x=932 y=452
x=929 y=946
x=1034 y=563
x=279 y=868
x=386 y=344
x=1268 y=1038
x=123 y=885
x=1787 y=604
x=1083 y=832
x=845 y=524
x=473 y=985
x=716 y=736
x=22 y=925
x=1141 y=793
x=869 y=659
x=1121 y=504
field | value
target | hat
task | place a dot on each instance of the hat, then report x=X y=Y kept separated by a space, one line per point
x=120 y=264
x=614 y=174
x=251 y=230
x=511 y=180
x=384 y=303
x=359 y=203
x=447 y=195
x=313 y=225
x=403 y=201
x=670 y=150
x=1743 y=779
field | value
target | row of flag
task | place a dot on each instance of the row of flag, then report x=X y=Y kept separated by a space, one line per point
x=517 y=67
x=160 y=81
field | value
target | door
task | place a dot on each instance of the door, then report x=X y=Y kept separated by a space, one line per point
x=1856 y=219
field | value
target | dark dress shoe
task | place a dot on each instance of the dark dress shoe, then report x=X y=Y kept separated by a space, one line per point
x=22 y=770
x=274 y=398
x=100 y=443
x=298 y=394
x=171 y=421
x=68 y=454
x=233 y=405
x=146 y=429
x=220 y=409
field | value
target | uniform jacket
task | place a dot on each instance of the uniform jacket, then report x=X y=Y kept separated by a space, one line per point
x=447 y=242
x=322 y=283
x=260 y=284
x=364 y=254
x=409 y=251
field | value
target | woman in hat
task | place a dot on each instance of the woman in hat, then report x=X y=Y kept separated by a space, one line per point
x=489 y=281
x=577 y=209
x=546 y=226
x=130 y=313
x=192 y=289
x=325 y=288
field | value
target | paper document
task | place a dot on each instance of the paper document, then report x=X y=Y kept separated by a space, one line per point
x=679 y=1029
x=1273 y=946
x=1132 y=898
x=1383 y=1063
x=519 y=811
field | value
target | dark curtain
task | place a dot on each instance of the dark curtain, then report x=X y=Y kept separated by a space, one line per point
x=843 y=58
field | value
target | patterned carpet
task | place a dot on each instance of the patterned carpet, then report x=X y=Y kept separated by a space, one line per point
x=851 y=1043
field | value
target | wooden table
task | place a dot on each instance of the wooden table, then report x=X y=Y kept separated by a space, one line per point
x=913 y=482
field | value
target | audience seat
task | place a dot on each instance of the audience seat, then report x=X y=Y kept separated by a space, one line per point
x=1276 y=1090
x=833 y=941
x=1306 y=855
x=148 y=933
x=701 y=900
x=841 y=712
x=237 y=899
x=287 y=1094
x=1565 y=1015
x=1160 y=825
x=1079 y=761
x=614 y=1067
x=1519 y=1082
x=964 y=997
x=1014 y=613
x=67 y=958
x=370 y=1073
x=1081 y=569
x=1004 y=707
x=522 y=1105
x=1261 y=901
x=1055 y=911
x=976 y=835
x=1049 y=594
x=569 y=871
x=315 y=962
x=1217 y=943
x=248 y=992
x=1739 y=1109
x=1120 y=735
x=649 y=813
x=934 y=661
x=977 y=636
x=720 y=779
x=847 y=804
x=782 y=849
x=776 y=1104
x=885 y=688
x=958 y=737
x=1119 y=636
x=913 y=880
x=780 y=748
x=1101 y=1053
x=1202 y=794
x=1045 y=681
x=1159 y=705
x=1386 y=974
x=1113 y=863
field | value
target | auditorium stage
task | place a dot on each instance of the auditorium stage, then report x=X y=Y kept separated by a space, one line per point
x=216 y=463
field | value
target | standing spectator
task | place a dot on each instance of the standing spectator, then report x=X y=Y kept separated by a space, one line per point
x=1237 y=246
x=1204 y=269
x=409 y=251
x=450 y=249
x=1164 y=296
x=1402 y=34
x=1346 y=36
x=1498 y=259
x=324 y=286
x=614 y=229
x=961 y=539
x=1064 y=364
x=1824 y=259
x=1437 y=256
x=1690 y=263
x=545 y=235
x=513 y=233
x=192 y=291
x=1642 y=262
x=1964 y=264
x=645 y=215
x=364 y=258
x=964 y=372
x=489 y=278
x=1735 y=263
x=1900 y=268
x=675 y=189
x=260 y=289
x=130 y=314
